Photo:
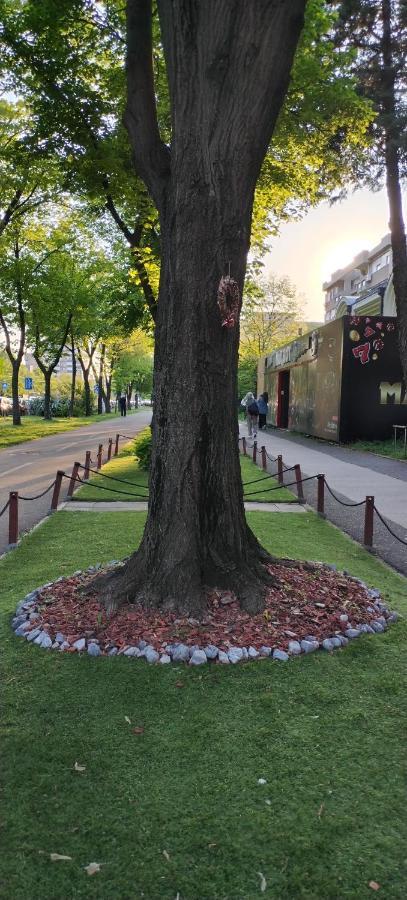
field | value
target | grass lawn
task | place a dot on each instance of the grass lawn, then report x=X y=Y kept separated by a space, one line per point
x=384 y=448
x=325 y=731
x=36 y=427
x=126 y=467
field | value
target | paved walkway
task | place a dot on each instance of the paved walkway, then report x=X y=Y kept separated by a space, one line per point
x=140 y=506
x=352 y=476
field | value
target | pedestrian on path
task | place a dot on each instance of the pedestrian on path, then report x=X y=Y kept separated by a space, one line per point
x=123 y=404
x=252 y=413
x=262 y=407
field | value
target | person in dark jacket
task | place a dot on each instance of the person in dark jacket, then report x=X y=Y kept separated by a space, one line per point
x=262 y=407
x=123 y=404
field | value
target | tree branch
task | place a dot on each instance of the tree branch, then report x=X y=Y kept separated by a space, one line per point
x=151 y=155
x=13 y=205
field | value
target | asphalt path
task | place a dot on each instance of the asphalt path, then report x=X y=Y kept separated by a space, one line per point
x=29 y=468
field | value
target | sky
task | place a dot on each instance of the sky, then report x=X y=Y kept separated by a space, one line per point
x=327 y=239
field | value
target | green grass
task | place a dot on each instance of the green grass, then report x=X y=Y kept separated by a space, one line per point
x=33 y=427
x=125 y=466
x=325 y=731
x=383 y=448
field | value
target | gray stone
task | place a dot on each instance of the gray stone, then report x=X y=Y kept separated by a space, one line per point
x=55 y=646
x=344 y=618
x=112 y=651
x=22 y=629
x=245 y=653
x=198 y=658
x=34 y=616
x=336 y=641
x=328 y=644
x=46 y=642
x=64 y=645
x=265 y=651
x=364 y=629
x=374 y=593
x=377 y=627
x=235 y=654
x=142 y=645
x=33 y=634
x=223 y=658
x=18 y=620
x=344 y=640
x=131 y=651
x=382 y=621
x=180 y=653
x=331 y=566
x=369 y=629
x=38 y=639
x=94 y=649
x=151 y=655
x=280 y=654
x=311 y=638
x=294 y=647
x=393 y=616
x=165 y=659
x=211 y=651
x=309 y=646
x=252 y=653
x=193 y=648
x=80 y=644
x=352 y=633
x=59 y=637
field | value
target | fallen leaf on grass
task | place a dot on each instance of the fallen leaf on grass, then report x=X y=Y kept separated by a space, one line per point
x=138 y=729
x=79 y=768
x=263 y=882
x=126 y=719
x=55 y=857
x=320 y=811
x=167 y=855
x=212 y=845
x=179 y=684
x=374 y=885
x=92 y=868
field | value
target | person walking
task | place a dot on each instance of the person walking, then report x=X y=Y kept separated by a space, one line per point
x=262 y=407
x=252 y=414
x=123 y=404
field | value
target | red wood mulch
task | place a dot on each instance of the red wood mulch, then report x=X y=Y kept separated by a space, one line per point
x=306 y=603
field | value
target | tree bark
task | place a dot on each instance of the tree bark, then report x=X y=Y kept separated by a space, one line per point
x=397 y=228
x=47 y=394
x=14 y=391
x=228 y=66
x=73 y=381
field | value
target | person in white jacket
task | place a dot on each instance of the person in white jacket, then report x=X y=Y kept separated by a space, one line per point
x=252 y=413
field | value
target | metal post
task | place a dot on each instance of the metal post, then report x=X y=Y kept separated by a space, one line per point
x=13 y=518
x=109 y=449
x=300 y=490
x=263 y=458
x=116 y=446
x=244 y=446
x=72 y=483
x=280 y=469
x=254 y=451
x=369 y=514
x=99 y=457
x=87 y=465
x=57 y=488
x=321 y=496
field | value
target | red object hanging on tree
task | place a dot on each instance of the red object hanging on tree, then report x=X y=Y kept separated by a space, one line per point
x=228 y=301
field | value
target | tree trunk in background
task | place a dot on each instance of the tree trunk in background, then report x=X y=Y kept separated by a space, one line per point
x=86 y=386
x=100 y=379
x=228 y=65
x=73 y=381
x=129 y=391
x=392 y=139
x=108 y=393
x=47 y=394
x=14 y=392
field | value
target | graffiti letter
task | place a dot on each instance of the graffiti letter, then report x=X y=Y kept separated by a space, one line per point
x=362 y=352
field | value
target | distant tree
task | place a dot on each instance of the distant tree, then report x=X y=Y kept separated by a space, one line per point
x=270 y=316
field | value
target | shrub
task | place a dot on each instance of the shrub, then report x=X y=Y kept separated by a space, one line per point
x=142 y=448
x=59 y=408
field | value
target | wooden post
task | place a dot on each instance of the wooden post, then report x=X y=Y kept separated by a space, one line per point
x=369 y=514
x=244 y=446
x=300 y=490
x=87 y=465
x=280 y=469
x=99 y=457
x=109 y=449
x=72 y=483
x=254 y=451
x=57 y=488
x=321 y=496
x=13 y=518
x=116 y=446
x=264 y=458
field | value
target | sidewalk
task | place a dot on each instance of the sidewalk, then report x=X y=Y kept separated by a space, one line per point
x=352 y=476
x=141 y=506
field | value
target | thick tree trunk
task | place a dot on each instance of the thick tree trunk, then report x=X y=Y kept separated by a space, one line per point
x=108 y=393
x=86 y=385
x=73 y=380
x=14 y=392
x=47 y=395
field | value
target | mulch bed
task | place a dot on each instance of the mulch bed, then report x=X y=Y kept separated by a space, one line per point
x=308 y=601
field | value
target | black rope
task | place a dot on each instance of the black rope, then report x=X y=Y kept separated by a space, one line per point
x=112 y=478
x=279 y=486
x=4 y=508
x=110 y=490
x=388 y=527
x=128 y=437
x=342 y=502
x=256 y=480
x=38 y=496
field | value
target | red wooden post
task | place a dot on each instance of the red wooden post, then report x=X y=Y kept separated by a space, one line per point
x=300 y=490
x=13 y=518
x=87 y=465
x=263 y=457
x=254 y=451
x=99 y=457
x=72 y=483
x=369 y=514
x=116 y=446
x=280 y=469
x=321 y=495
x=109 y=449
x=57 y=488
x=244 y=446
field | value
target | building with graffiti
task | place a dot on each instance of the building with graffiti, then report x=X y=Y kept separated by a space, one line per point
x=341 y=382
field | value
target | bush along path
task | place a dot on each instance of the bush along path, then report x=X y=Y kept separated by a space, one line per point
x=312 y=606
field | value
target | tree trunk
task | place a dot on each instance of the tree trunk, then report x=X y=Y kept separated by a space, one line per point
x=73 y=381
x=86 y=385
x=108 y=393
x=129 y=391
x=47 y=394
x=100 y=379
x=392 y=152
x=14 y=392
x=228 y=66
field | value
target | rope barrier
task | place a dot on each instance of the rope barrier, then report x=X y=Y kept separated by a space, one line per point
x=112 y=477
x=4 y=508
x=342 y=502
x=256 y=480
x=110 y=490
x=279 y=486
x=38 y=496
x=388 y=527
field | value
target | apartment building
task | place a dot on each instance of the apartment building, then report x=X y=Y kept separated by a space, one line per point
x=365 y=284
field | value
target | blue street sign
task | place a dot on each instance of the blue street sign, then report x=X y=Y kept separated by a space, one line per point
x=4 y=385
x=28 y=384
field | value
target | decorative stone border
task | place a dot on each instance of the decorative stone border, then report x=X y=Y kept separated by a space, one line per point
x=26 y=615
